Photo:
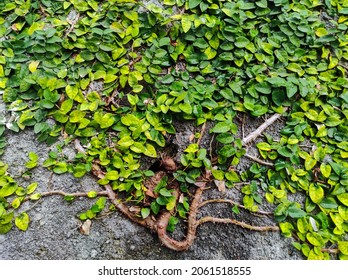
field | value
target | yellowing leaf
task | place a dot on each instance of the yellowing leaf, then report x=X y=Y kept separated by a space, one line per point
x=150 y=151
x=310 y=163
x=343 y=247
x=22 y=221
x=186 y=23
x=210 y=53
x=33 y=65
x=325 y=169
x=316 y=193
x=320 y=32
x=343 y=198
x=36 y=26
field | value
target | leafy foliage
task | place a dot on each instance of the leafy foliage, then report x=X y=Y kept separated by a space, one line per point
x=117 y=74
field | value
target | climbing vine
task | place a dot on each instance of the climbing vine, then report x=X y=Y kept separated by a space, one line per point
x=113 y=78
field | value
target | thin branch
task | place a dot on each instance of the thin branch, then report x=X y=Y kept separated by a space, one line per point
x=330 y=251
x=235 y=222
x=61 y=193
x=203 y=129
x=211 y=147
x=123 y=208
x=258 y=160
x=233 y=203
x=252 y=136
x=77 y=194
x=243 y=126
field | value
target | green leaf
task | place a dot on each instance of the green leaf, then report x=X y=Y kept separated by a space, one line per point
x=221 y=127
x=315 y=239
x=310 y=163
x=22 y=221
x=155 y=207
x=295 y=212
x=263 y=88
x=218 y=174
x=138 y=147
x=130 y=120
x=232 y=176
x=100 y=203
x=241 y=42
x=35 y=196
x=15 y=203
x=126 y=141
x=145 y=212
x=186 y=23
x=171 y=203
x=193 y=3
x=31 y=188
x=132 y=15
x=316 y=193
x=92 y=194
x=343 y=247
x=295 y=68
x=329 y=203
x=325 y=169
x=343 y=198
x=33 y=156
x=71 y=91
x=150 y=151
x=263 y=146
x=192 y=148
x=164 y=192
x=76 y=116
x=5 y=228
x=31 y=164
x=60 y=168
x=186 y=108
x=112 y=175
x=66 y=106
x=8 y=189
x=286 y=228
x=167 y=79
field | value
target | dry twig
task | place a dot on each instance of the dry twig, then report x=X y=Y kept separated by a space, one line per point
x=256 y=133
x=258 y=160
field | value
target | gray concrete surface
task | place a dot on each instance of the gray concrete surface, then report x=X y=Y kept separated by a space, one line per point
x=54 y=228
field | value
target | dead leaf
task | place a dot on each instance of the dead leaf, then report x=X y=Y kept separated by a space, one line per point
x=86 y=227
x=207 y=174
x=79 y=147
x=134 y=209
x=150 y=193
x=221 y=185
x=200 y=184
x=191 y=137
x=169 y=164
x=181 y=198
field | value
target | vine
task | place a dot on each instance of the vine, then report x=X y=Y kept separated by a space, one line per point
x=113 y=79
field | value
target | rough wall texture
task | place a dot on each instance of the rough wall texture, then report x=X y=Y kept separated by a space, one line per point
x=54 y=229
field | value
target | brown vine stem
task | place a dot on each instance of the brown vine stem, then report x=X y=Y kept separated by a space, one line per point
x=258 y=160
x=233 y=203
x=123 y=208
x=235 y=222
x=191 y=224
x=256 y=133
